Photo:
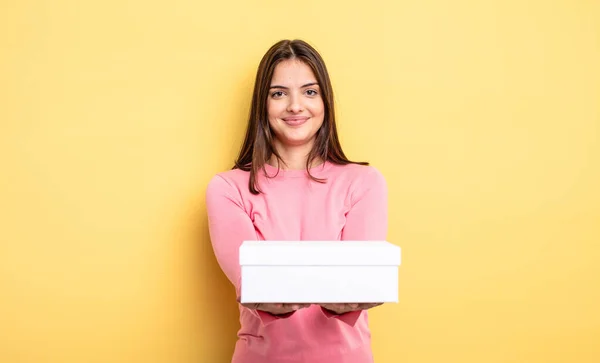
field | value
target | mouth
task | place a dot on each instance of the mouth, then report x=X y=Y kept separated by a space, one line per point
x=295 y=120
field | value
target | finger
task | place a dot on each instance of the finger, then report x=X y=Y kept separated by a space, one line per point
x=371 y=305
x=252 y=306
x=332 y=307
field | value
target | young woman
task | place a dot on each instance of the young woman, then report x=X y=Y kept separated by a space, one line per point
x=292 y=181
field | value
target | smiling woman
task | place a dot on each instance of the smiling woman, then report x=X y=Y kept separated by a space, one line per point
x=292 y=181
x=295 y=109
x=292 y=82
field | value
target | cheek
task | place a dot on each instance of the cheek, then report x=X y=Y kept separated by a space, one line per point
x=270 y=109
x=275 y=109
x=318 y=116
x=318 y=108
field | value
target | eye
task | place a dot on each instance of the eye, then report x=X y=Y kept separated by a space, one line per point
x=277 y=94
x=311 y=92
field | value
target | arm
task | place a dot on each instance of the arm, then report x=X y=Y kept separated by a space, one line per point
x=229 y=225
x=367 y=220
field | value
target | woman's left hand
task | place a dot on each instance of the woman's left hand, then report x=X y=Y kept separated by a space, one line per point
x=346 y=308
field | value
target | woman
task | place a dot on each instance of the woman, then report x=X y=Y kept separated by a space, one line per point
x=292 y=181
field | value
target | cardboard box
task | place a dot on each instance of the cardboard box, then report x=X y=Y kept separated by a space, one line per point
x=319 y=271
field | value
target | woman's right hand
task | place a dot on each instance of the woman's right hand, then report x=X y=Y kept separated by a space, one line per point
x=276 y=309
x=346 y=308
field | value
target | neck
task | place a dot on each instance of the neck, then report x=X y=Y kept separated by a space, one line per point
x=294 y=157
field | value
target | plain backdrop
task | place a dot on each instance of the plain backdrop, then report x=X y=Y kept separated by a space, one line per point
x=483 y=116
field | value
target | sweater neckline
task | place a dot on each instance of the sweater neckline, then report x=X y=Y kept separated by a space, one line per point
x=316 y=171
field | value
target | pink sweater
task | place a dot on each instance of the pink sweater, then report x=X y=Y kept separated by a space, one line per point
x=352 y=205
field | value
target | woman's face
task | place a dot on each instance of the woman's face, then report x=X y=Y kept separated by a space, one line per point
x=294 y=105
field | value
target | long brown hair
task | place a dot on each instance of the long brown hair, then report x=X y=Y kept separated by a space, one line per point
x=258 y=146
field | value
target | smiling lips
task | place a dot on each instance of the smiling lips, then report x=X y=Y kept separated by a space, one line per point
x=295 y=120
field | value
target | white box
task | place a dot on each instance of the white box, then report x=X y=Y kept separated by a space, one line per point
x=319 y=271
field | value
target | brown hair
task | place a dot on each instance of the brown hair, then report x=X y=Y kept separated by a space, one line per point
x=258 y=147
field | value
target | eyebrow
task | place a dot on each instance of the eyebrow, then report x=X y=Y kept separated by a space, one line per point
x=306 y=85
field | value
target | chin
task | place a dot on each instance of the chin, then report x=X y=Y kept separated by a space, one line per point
x=296 y=139
x=296 y=142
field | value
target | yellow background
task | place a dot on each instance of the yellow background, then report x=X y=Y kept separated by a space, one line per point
x=484 y=117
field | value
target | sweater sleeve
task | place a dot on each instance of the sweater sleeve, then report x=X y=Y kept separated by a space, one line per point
x=367 y=220
x=229 y=225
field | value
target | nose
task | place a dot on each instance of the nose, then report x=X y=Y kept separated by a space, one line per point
x=294 y=105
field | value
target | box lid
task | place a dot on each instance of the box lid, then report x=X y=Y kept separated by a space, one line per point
x=319 y=253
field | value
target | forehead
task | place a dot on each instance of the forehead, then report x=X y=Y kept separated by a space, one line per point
x=292 y=72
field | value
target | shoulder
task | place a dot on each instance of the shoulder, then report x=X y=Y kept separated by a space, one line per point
x=228 y=182
x=360 y=176
x=361 y=181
